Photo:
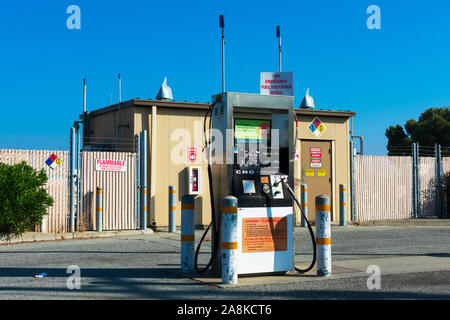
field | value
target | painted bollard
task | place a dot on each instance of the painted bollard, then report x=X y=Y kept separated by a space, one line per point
x=323 y=235
x=304 y=203
x=229 y=240
x=342 y=205
x=187 y=233
x=99 y=209
x=143 y=207
x=172 y=208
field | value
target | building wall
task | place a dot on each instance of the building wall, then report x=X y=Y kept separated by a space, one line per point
x=104 y=134
x=337 y=131
x=163 y=171
x=177 y=130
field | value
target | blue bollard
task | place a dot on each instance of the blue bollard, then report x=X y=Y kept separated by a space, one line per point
x=99 y=209
x=172 y=209
x=304 y=203
x=342 y=205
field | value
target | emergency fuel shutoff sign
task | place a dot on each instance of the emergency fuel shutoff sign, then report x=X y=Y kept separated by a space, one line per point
x=277 y=83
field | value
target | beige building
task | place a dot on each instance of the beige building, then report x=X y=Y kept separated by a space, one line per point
x=175 y=131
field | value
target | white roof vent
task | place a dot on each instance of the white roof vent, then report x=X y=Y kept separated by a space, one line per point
x=307 y=102
x=165 y=92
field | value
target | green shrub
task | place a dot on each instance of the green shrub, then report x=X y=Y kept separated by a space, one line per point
x=23 y=199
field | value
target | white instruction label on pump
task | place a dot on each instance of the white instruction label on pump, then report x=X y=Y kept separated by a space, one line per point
x=277 y=186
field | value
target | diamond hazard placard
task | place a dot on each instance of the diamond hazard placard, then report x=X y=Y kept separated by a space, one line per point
x=53 y=161
x=317 y=127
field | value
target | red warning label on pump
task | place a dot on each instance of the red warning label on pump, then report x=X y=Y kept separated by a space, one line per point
x=264 y=234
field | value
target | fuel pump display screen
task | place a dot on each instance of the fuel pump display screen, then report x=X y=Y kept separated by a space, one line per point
x=248 y=186
x=250 y=130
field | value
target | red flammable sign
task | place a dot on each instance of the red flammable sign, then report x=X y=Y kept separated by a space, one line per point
x=315 y=153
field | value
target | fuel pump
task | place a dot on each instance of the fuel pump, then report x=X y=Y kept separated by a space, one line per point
x=251 y=157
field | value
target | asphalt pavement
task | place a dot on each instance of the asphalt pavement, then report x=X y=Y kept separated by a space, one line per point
x=414 y=263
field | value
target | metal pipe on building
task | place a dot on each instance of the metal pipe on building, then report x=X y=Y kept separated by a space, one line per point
x=360 y=144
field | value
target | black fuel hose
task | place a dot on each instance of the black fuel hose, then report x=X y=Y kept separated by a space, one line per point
x=213 y=222
x=313 y=239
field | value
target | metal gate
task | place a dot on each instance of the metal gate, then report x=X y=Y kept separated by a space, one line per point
x=119 y=190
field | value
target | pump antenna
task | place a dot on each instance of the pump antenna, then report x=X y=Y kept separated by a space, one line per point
x=279 y=48
x=120 y=88
x=222 y=25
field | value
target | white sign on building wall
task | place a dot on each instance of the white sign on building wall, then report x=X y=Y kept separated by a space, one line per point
x=110 y=165
x=277 y=83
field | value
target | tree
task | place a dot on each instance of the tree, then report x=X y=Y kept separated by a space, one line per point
x=432 y=127
x=23 y=199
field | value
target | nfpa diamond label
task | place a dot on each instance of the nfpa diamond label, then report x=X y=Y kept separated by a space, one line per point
x=53 y=161
x=317 y=127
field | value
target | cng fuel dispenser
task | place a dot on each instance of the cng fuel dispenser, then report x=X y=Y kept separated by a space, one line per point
x=251 y=150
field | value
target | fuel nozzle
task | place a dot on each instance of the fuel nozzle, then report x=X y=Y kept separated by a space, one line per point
x=277 y=183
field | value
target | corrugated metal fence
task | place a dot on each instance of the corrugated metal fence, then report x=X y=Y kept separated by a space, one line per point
x=383 y=187
x=57 y=185
x=427 y=187
x=119 y=192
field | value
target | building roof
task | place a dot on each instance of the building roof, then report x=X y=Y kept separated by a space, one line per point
x=198 y=105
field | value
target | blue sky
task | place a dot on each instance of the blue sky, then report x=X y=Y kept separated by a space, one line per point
x=387 y=76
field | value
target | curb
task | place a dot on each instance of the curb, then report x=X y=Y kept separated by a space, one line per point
x=404 y=223
x=39 y=236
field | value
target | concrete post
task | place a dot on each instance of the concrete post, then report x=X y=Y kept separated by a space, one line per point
x=323 y=235
x=342 y=205
x=172 y=209
x=229 y=240
x=99 y=208
x=304 y=202
x=187 y=233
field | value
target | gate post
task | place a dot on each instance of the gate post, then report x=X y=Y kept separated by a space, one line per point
x=352 y=184
x=143 y=178
x=72 y=179
x=439 y=193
